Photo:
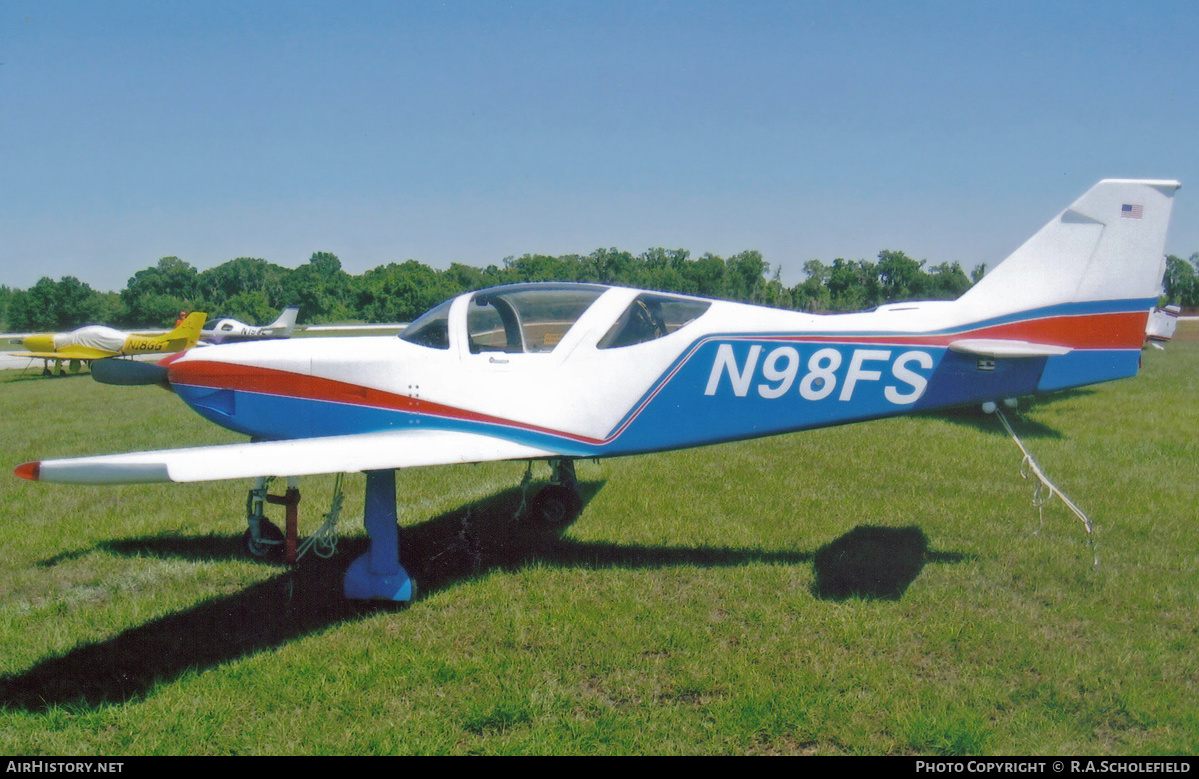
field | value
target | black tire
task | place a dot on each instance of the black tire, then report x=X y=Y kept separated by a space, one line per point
x=555 y=505
x=270 y=547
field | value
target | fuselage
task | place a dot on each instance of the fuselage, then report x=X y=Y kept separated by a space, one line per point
x=98 y=341
x=229 y=331
x=587 y=370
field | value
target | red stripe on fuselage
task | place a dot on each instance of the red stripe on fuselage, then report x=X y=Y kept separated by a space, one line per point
x=1085 y=331
x=271 y=381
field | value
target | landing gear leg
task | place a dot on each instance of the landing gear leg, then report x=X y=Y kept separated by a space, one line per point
x=563 y=474
x=262 y=539
x=378 y=573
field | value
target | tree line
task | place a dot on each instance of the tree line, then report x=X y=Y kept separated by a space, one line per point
x=254 y=290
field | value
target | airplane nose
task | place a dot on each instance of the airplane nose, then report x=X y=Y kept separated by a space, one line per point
x=209 y=388
x=256 y=399
x=39 y=343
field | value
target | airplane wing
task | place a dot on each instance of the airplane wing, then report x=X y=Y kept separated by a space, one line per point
x=39 y=355
x=407 y=448
x=67 y=353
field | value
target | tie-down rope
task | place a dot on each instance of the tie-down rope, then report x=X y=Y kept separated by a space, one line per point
x=323 y=542
x=1039 y=497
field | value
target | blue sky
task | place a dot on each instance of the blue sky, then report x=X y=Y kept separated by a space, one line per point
x=471 y=131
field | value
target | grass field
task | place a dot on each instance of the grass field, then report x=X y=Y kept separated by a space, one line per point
x=884 y=588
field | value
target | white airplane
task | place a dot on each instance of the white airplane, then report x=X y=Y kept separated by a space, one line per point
x=558 y=371
x=232 y=331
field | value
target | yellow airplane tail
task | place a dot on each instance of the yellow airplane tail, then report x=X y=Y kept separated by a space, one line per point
x=187 y=333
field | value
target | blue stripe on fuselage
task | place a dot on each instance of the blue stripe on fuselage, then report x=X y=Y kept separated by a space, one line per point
x=1088 y=366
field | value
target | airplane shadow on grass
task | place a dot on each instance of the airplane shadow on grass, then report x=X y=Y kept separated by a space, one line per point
x=867 y=562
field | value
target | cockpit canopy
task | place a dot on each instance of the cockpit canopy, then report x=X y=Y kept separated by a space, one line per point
x=526 y=319
x=533 y=318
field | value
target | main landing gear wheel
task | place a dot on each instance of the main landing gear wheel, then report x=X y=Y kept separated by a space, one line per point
x=556 y=504
x=268 y=545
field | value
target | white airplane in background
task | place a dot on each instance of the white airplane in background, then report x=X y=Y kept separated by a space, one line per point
x=558 y=371
x=232 y=331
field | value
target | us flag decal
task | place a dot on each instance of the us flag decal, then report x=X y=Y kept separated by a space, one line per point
x=1129 y=211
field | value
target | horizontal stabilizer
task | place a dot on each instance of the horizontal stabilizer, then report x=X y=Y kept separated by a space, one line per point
x=302 y=457
x=993 y=347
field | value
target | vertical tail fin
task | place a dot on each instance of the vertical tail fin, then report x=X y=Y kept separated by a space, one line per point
x=1107 y=246
x=286 y=322
x=188 y=332
x=1085 y=283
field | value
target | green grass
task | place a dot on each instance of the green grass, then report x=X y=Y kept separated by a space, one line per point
x=884 y=588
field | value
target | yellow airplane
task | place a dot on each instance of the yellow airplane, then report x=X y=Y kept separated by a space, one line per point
x=97 y=342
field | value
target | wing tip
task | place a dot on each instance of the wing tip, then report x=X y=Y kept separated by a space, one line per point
x=31 y=471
